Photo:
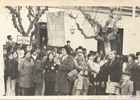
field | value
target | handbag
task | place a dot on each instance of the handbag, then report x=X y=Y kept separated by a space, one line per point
x=111 y=87
x=72 y=75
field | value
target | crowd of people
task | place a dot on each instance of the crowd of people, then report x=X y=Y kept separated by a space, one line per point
x=33 y=71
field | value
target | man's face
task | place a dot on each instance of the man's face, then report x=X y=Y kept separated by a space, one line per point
x=11 y=39
x=129 y=58
x=68 y=43
x=28 y=48
x=125 y=77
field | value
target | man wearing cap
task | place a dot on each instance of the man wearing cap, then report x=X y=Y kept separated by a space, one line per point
x=126 y=85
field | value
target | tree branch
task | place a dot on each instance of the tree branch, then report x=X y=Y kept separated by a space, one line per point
x=80 y=29
x=90 y=20
x=105 y=28
x=36 y=18
x=17 y=14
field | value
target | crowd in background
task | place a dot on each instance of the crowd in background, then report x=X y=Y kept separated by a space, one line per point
x=47 y=71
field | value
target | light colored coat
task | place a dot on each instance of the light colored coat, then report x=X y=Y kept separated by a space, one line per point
x=26 y=69
x=127 y=88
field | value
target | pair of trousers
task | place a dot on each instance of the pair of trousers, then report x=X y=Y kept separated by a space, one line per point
x=40 y=88
x=26 y=91
x=10 y=86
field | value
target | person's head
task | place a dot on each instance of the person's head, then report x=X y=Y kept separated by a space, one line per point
x=4 y=51
x=28 y=48
x=15 y=55
x=44 y=46
x=68 y=42
x=41 y=55
x=51 y=56
x=49 y=50
x=124 y=59
x=137 y=53
x=73 y=54
x=106 y=59
x=92 y=52
x=65 y=50
x=80 y=60
x=43 y=38
x=84 y=50
x=55 y=49
x=27 y=54
x=33 y=52
x=37 y=50
x=9 y=37
x=131 y=57
x=139 y=58
x=101 y=53
x=112 y=55
x=91 y=56
x=97 y=59
x=80 y=53
x=10 y=56
x=126 y=76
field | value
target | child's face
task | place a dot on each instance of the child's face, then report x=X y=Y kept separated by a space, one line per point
x=125 y=77
x=10 y=56
x=15 y=55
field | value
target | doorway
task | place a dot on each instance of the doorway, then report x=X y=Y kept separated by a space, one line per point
x=41 y=34
x=116 y=44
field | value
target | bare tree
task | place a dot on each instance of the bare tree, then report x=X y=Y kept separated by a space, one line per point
x=102 y=31
x=33 y=15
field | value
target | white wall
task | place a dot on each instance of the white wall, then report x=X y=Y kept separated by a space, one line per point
x=131 y=43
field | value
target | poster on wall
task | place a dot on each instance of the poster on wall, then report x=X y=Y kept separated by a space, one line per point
x=23 y=39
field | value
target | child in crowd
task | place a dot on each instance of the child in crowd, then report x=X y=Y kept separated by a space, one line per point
x=126 y=85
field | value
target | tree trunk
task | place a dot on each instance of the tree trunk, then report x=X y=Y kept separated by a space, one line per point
x=107 y=46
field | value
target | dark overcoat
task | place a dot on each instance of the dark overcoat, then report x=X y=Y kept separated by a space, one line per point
x=63 y=85
x=115 y=70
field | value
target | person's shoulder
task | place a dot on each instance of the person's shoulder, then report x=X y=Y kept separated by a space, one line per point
x=38 y=61
x=21 y=60
x=129 y=82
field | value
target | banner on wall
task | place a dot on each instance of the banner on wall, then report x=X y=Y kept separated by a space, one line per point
x=55 y=27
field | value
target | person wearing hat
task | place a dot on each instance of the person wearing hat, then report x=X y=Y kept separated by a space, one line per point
x=126 y=85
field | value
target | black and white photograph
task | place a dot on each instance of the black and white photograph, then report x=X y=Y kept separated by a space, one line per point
x=70 y=51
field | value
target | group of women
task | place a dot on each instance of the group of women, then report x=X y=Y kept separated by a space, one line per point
x=45 y=72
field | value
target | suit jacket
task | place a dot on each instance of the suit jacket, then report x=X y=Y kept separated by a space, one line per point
x=102 y=75
x=63 y=85
x=26 y=69
x=127 y=89
x=115 y=70
x=131 y=67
